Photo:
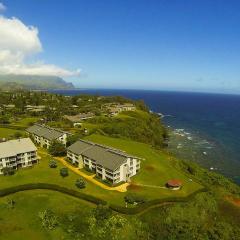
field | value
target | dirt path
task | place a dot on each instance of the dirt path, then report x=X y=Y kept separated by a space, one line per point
x=234 y=201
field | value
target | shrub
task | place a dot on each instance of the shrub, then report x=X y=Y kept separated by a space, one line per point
x=80 y=183
x=64 y=172
x=102 y=213
x=57 y=149
x=17 y=134
x=134 y=198
x=54 y=187
x=8 y=171
x=52 y=164
x=48 y=219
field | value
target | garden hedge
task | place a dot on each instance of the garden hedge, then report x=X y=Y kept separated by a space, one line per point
x=129 y=211
x=143 y=206
x=54 y=187
x=14 y=127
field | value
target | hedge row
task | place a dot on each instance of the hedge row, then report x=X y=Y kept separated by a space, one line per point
x=143 y=206
x=54 y=187
x=95 y=200
x=15 y=127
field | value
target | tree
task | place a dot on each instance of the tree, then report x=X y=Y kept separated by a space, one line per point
x=49 y=220
x=52 y=164
x=17 y=134
x=4 y=120
x=57 y=149
x=10 y=203
x=72 y=139
x=80 y=183
x=64 y=172
x=101 y=213
x=7 y=171
x=134 y=198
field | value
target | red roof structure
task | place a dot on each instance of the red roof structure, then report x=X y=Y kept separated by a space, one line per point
x=174 y=183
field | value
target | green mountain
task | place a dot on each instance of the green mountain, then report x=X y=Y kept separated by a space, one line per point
x=32 y=82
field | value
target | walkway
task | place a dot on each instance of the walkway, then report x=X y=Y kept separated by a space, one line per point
x=150 y=186
x=90 y=178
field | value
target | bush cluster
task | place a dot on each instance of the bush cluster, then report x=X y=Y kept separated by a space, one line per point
x=80 y=183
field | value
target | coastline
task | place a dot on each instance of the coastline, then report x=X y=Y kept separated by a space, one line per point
x=206 y=138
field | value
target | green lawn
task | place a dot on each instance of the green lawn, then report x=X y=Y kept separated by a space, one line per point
x=42 y=173
x=6 y=132
x=24 y=122
x=22 y=221
x=156 y=168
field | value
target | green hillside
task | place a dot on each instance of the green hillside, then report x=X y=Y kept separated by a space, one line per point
x=31 y=82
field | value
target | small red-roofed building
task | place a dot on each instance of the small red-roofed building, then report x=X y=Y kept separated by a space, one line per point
x=174 y=184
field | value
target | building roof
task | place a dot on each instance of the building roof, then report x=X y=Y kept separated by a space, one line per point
x=174 y=183
x=45 y=131
x=105 y=156
x=79 y=147
x=14 y=147
x=79 y=117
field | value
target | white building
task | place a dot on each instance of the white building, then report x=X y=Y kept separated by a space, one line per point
x=17 y=154
x=115 y=109
x=44 y=135
x=108 y=163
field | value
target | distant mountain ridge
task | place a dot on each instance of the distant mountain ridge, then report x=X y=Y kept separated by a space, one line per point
x=33 y=82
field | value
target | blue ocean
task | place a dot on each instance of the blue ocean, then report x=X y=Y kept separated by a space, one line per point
x=206 y=127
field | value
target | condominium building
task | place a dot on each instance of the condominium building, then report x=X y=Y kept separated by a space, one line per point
x=45 y=135
x=108 y=163
x=17 y=154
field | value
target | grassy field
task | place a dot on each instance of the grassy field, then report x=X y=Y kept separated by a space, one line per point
x=7 y=133
x=156 y=169
x=22 y=221
x=24 y=122
x=44 y=174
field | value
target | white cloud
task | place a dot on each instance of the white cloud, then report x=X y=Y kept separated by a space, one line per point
x=2 y=7
x=18 y=43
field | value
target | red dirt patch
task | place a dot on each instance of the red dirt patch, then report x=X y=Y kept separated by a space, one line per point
x=234 y=201
x=150 y=168
x=134 y=187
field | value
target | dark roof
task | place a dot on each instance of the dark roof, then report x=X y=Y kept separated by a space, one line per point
x=45 y=131
x=105 y=156
x=79 y=117
x=79 y=146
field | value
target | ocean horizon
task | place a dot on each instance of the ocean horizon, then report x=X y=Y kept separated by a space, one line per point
x=206 y=126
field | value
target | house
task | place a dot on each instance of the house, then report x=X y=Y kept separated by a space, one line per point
x=108 y=163
x=115 y=109
x=45 y=135
x=17 y=153
x=9 y=106
x=39 y=108
x=127 y=107
x=77 y=119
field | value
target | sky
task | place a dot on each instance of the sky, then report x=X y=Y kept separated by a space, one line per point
x=180 y=45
